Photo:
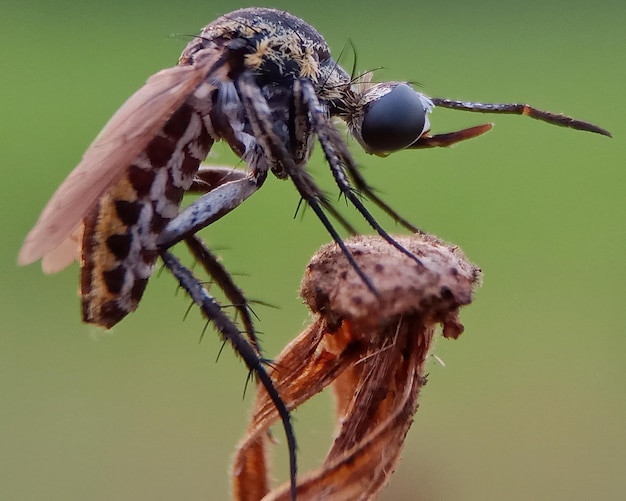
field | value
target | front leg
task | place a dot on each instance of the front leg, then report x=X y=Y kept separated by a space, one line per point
x=277 y=155
x=339 y=157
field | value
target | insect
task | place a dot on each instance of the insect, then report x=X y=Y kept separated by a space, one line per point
x=263 y=81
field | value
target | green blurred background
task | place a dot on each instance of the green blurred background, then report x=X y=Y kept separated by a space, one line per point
x=531 y=403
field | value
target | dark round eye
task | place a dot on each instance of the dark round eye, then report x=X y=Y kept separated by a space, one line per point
x=394 y=121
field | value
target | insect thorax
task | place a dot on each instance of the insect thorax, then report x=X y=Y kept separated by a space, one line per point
x=277 y=46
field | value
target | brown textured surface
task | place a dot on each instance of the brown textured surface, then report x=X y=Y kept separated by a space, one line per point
x=371 y=350
x=332 y=288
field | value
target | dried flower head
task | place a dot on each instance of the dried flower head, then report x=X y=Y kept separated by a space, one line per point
x=371 y=350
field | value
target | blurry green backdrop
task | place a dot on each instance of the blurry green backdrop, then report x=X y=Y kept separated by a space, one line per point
x=531 y=403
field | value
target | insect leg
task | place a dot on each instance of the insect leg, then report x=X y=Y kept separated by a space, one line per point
x=210 y=177
x=521 y=109
x=209 y=208
x=338 y=156
x=340 y=219
x=259 y=115
x=225 y=282
x=212 y=311
x=363 y=187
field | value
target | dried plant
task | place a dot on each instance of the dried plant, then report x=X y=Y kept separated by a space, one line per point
x=371 y=350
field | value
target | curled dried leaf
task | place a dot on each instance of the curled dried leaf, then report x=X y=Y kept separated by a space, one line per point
x=371 y=349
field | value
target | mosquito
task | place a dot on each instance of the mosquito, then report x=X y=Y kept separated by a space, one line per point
x=264 y=82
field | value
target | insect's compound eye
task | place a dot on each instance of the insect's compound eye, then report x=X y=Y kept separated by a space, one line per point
x=395 y=120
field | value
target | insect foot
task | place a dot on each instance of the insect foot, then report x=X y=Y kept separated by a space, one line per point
x=371 y=351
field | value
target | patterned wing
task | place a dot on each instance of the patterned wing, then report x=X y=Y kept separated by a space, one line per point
x=125 y=135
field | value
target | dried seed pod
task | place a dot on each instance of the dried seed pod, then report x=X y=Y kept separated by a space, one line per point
x=372 y=350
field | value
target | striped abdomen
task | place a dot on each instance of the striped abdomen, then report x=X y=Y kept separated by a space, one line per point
x=119 y=247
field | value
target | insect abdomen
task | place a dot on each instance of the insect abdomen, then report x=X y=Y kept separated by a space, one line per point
x=119 y=247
